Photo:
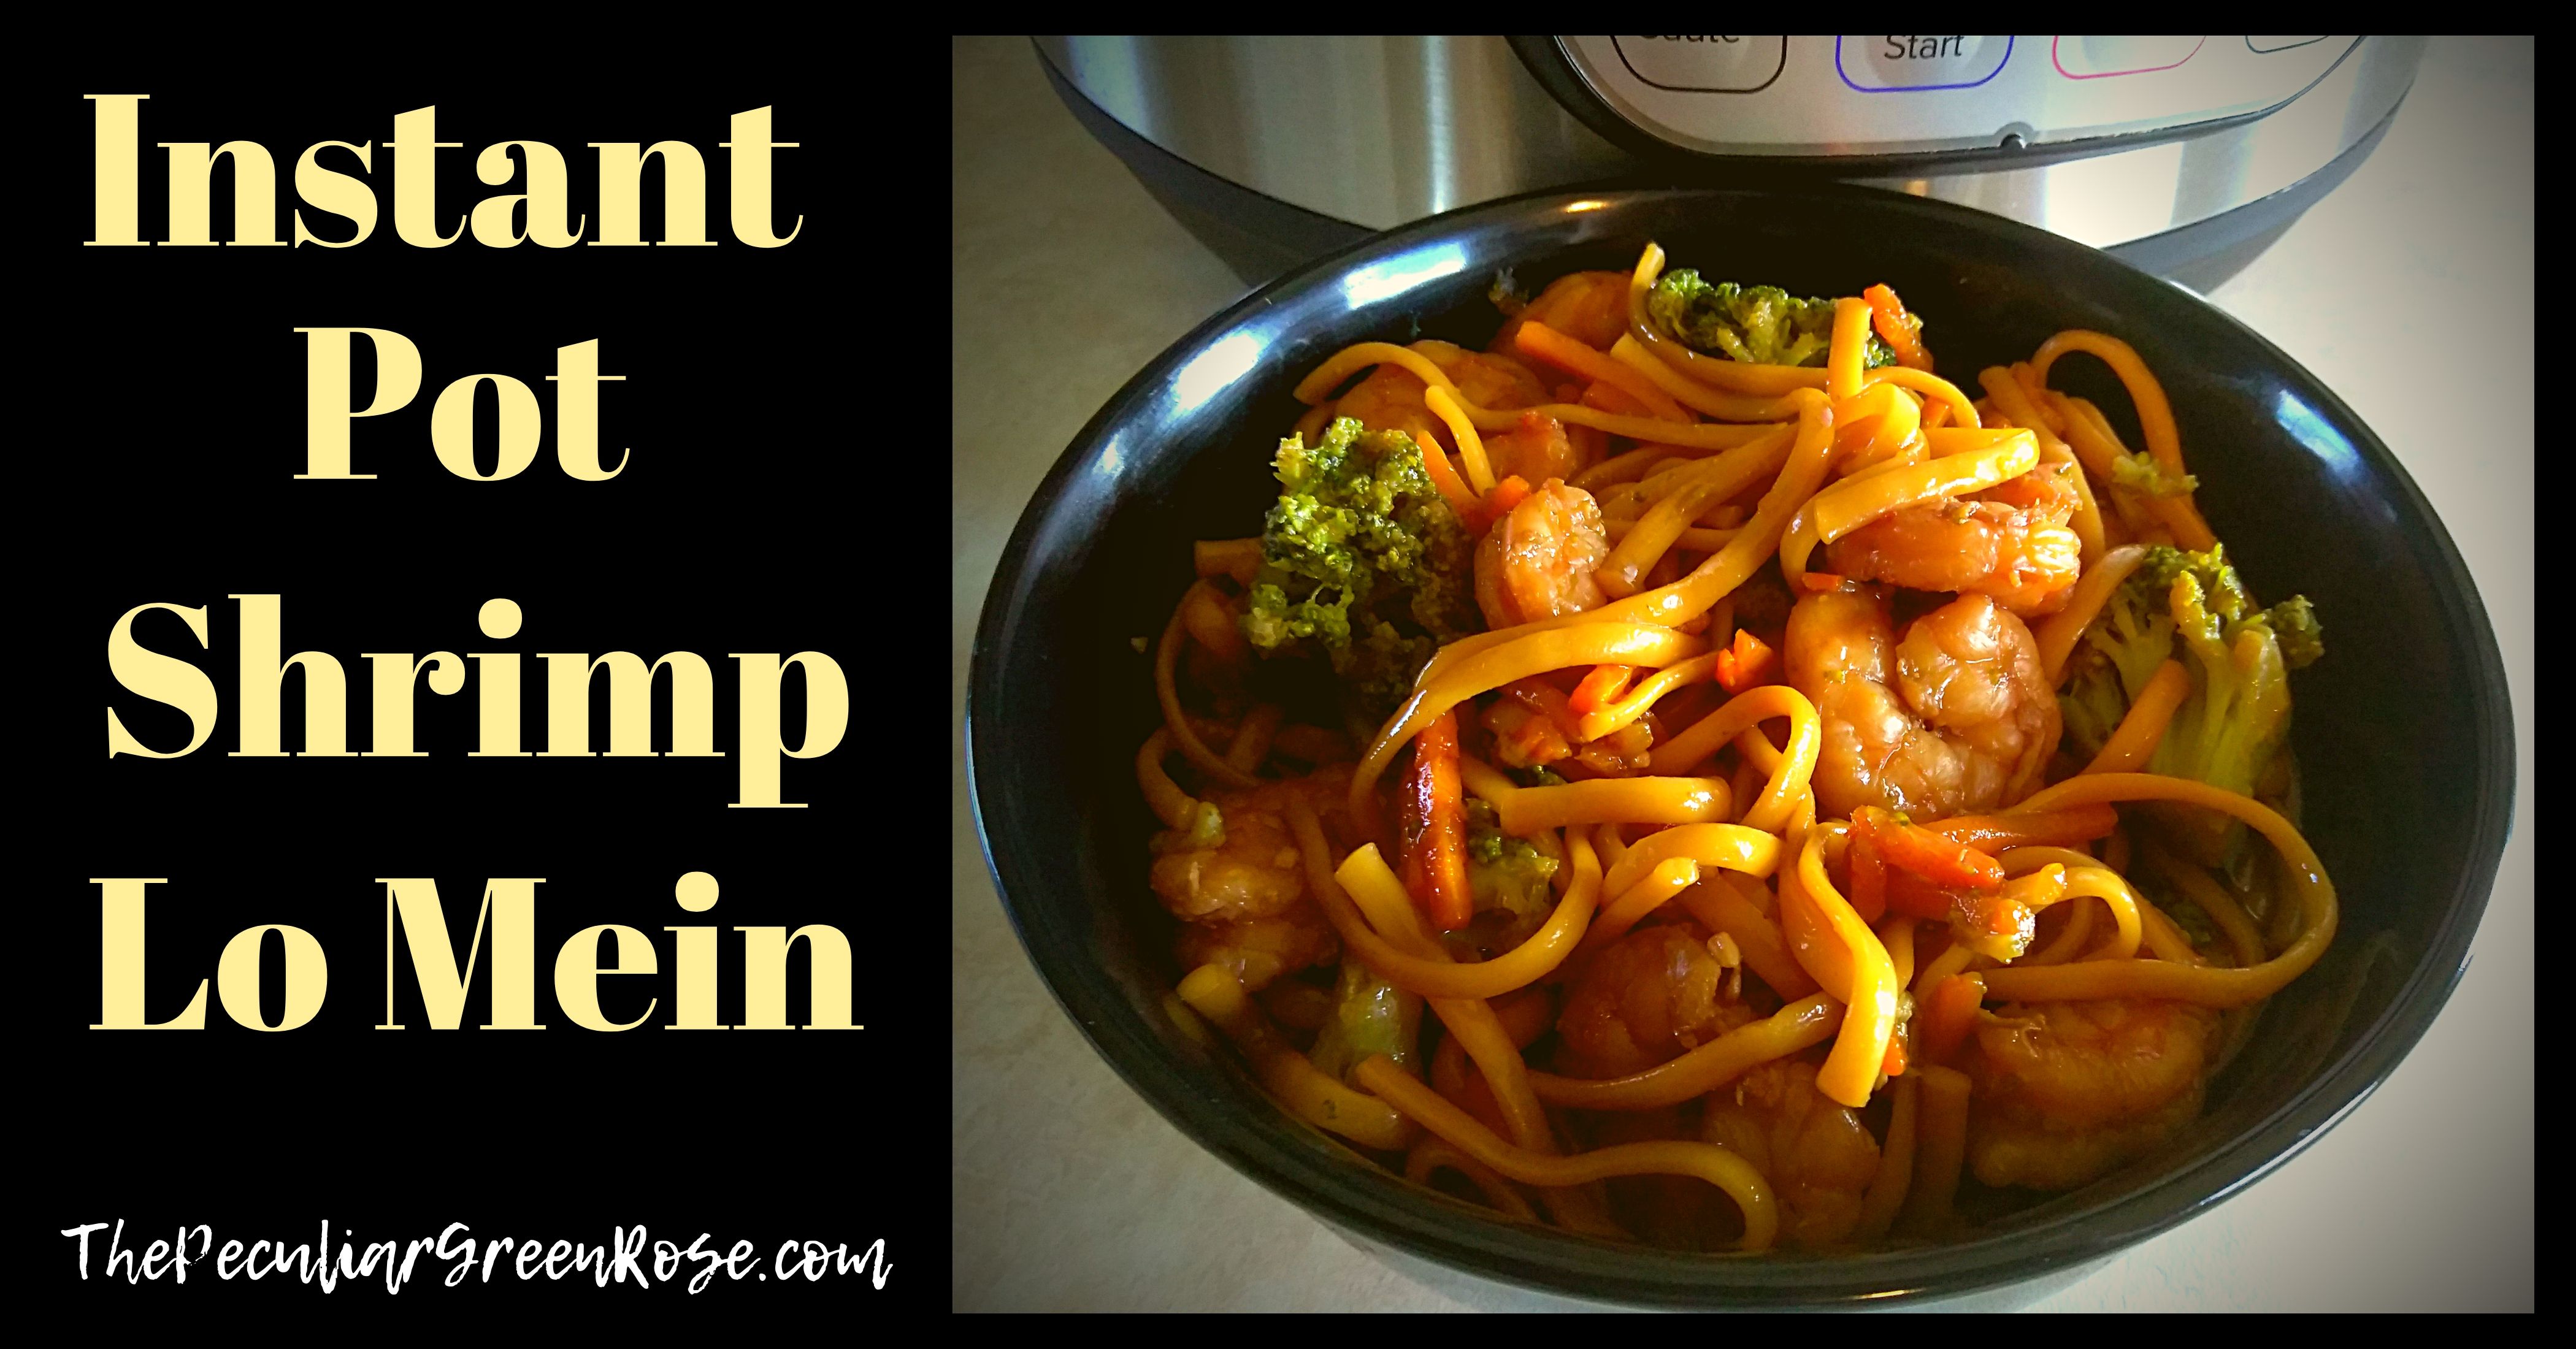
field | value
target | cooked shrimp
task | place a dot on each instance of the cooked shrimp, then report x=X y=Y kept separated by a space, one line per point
x=1534 y=451
x=2046 y=491
x=1258 y=951
x=1956 y=718
x=1630 y=749
x=1488 y=379
x=1817 y=1154
x=2067 y=1091
x=1524 y=736
x=1645 y=998
x=1590 y=307
x=1244 y=902
x=1537 y=562
x=1532 y=724
x=1390 y=399
x=2010 y=541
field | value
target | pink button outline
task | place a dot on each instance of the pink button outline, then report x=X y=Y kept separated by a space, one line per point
x=2108 y=74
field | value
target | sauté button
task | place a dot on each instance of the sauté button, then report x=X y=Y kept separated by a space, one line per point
x=1732 y=65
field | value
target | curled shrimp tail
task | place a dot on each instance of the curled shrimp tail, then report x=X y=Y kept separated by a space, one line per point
x=1957 y=717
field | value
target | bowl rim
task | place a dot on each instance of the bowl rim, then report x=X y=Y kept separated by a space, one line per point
x=1412 y=1219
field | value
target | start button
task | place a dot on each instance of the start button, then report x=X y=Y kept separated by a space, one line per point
x=1880 y=65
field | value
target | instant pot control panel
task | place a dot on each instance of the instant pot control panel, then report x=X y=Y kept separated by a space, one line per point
x=1838 y=97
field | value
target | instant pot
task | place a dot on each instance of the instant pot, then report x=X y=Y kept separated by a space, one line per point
x=2186 y=156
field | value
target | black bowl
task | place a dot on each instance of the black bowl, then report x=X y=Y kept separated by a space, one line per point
x=2403 y=731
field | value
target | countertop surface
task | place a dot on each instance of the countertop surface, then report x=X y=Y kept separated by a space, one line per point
x=1071 y=1193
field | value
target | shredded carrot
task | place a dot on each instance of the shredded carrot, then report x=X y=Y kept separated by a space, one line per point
x=1602 y=687
x=1953 y=1013
x=1868 y=879
x=1238 y=558
x=1611 y=398
x=1822 y=580
x=1541 y=342
x=1453 y=488
x=1456 y=1076
x=1916 y=897
x=1211 y=623
x=1894 y=1063
x=1911 y=847
x=1435 y=833
x=1748 y=662
x=1508 y=493
x=2069 y=828
x=1901 y=331
x=1549 y=701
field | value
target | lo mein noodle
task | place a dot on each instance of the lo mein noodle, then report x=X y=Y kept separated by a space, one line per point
x=1809 y=796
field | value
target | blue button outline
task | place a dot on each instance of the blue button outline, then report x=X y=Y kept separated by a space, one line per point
x=1919 y=88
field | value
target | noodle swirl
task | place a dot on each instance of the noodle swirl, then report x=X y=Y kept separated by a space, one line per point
x=1693 y=851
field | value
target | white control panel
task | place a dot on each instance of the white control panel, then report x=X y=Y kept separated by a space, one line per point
x=1912 y=94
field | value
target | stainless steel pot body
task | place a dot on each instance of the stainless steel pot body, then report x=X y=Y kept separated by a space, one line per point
x=2103 y=140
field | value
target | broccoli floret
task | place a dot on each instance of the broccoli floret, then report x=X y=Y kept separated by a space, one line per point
x=2120 y=653
x=2196 y=924
x=2140 y=472
x=1504 y=871
x=2198 y=927
x=1362 y=561
x=1370 y=1017
x=1379 y=667
x=1761 y=324
x=1510 y=879
x=2192 y=607
x=2302 y=638
x=1206 y=832
x=1484 y=830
